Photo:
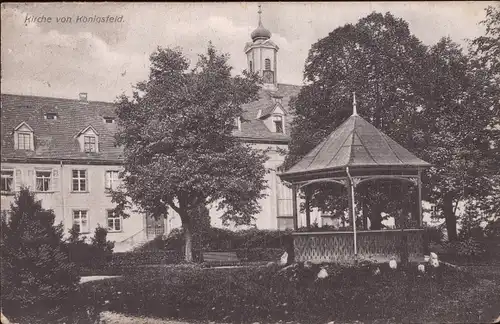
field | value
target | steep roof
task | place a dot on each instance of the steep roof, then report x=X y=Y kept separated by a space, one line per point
x=55 y=139
x=255 y=129
x=356 y=143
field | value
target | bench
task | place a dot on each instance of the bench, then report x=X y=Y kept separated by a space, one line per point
x=220 y=258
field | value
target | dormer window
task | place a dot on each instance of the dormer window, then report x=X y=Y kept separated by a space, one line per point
x=89 y=144
x=23 y=141
x=23 y=137
x=109 y=120
x=89 y=140
x=237 y=124
x=278 y=124
x=51 y=116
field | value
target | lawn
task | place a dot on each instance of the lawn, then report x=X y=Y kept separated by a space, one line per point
x=268 y=295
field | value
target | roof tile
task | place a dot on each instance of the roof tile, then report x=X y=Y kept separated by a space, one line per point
x=55 y=139
x=356 y=143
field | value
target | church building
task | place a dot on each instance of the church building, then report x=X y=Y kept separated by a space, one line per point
x=64 y=150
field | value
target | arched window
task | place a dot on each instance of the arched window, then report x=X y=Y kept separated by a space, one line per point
x=251 y=67
x=267 y=64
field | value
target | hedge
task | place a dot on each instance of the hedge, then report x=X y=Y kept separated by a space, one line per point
x=128 y=259
x=131 y=259
x=219 y=239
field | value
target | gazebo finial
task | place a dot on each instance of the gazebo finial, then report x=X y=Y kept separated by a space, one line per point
x=354 y=108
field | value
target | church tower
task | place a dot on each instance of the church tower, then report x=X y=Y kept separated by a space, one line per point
x=262 y=55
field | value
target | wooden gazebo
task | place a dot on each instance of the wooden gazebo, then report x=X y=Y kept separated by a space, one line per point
x=354 y=153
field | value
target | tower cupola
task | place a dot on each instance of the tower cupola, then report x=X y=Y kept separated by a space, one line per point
x=260 y=32
x=262 y=55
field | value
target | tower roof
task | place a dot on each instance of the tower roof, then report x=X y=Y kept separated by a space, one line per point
x=260 y=32
x=356 y=143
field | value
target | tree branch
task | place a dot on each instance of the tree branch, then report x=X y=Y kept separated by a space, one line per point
x=173 y=206
x=456 y=205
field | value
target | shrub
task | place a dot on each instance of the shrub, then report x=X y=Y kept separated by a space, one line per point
x=156 y=244
x=79 y=251
x=434 y=234
x=492 y=230
x=471 y=230
x=94 y=255
x=37 y=276
x=255 y=238
x=102 y=249
x=469 y=248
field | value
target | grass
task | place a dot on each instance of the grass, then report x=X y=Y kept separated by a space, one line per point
x=265 y=294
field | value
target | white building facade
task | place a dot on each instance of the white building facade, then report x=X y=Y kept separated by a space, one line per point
x=64 y=151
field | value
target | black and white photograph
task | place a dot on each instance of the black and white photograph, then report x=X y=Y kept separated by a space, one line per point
x=250 y=162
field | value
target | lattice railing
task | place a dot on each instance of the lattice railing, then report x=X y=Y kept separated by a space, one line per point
x=322 y=247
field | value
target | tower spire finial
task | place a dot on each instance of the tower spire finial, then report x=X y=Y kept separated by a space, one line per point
x=260 y=13
x=354 y=107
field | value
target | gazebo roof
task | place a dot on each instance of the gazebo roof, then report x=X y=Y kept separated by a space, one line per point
x=356 y=144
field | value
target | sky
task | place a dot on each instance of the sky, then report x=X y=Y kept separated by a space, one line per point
x=61 y=59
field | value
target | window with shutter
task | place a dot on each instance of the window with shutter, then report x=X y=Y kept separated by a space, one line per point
x=111 y=179
x=55 y=180
x=7 y=184
x=18 y=179
x=31 y=179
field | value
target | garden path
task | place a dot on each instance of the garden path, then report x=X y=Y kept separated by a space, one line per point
x=94 y=278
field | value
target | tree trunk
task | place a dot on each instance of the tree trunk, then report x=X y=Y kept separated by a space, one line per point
x=188 y=239
x=449 y=216
x=188 y=235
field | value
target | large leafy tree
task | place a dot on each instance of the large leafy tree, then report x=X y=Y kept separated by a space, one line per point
x=461 y=125
x=486 y=48
x=437 y=102
x=485 y=62
x=454 y=125
x=179 y=151
x=382 y=62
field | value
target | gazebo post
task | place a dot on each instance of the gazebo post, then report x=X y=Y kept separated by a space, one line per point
x=307 y=205
x=294 y=202
x=419 y=184
x=352 y=209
